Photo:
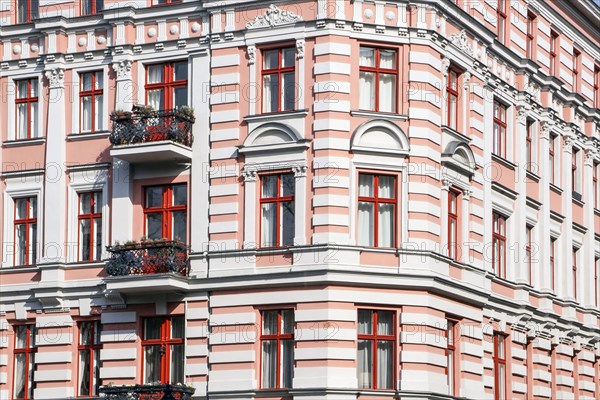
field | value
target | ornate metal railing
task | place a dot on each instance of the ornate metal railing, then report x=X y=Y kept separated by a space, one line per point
x=147 y=392
x=151 y=126
x=148 y=257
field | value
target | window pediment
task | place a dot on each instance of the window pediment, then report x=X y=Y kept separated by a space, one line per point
x=380 y=136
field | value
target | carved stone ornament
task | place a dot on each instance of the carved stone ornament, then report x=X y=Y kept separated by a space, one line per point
x=299 y=170
x=522 y=114
x=274 y=16
x=249 y=174
x=122 y=69
x=56 y=78
x=461 y=41
x=300 y=48
x=591 y=153
x=251 y=55
x=545 y=130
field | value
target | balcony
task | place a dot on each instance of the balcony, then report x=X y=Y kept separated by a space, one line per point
x=145 y=135
x=147 y=392
x=153 y=266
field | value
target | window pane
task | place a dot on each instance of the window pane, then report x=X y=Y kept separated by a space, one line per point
x=387 y=59
x=287 y=223
x=152 y=356
x=177 y=327
x=98 y=113
x=270 y=59
x=365 y=322
x=154 y=226
x=288 y=97
x=367 y=57
x=385 y=226
x=288 y=184
x=21 y=244
x=365 y=185
x=86 y=113
x=34 y=88
x=22 y=87
x=385 y=356
x=21 y=208
x=452 y=111
x=22 y=121
x=155 y=73
x=84 y=372
x=287 y=321
x=177 y=362
x=288 y=57
x=269 y=322
x=387 y=93
x=385 y=325
x=20 y=370
x=269 y=186
x=156 y=99
x=152 y=328
x=33 y=120
x=367 y=90
x=179 y=226
x=85 y=203
x=97 y=239
x=386 y=187
x=20 y=336
x=85 y=333
x=365 y=364
x=180 y=195
x=154 y=196
x=366 y=224
x=270 y=93
x=33 y=243
x=96 y=371
x=180 y=96
x=269 y=224
x=287 y=363
x=180 y=71
x=501 y=382
x=84 y=239
x=269 y=363
x=87 y=81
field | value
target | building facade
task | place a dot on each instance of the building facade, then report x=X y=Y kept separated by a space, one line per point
x=312 y=199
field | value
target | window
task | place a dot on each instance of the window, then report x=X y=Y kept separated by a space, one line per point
x=531 y=34
x=499 y=245
x=278 y=78
x=165 y=212
x=163 y=349
x=378 y=79
x=27 y=108
x=452 y=94
x=501 y=20
x=552 y=159
x=553 y=53
x=575 y=273
x=453 y=224
x=499 y=129
x=529 y=252
x=90 y=100
x=596 y=281
x=277 y=210
x=24 y=362
x=575 y=181
x=552 y=267
x=376 y=210
x=90 y=226
x=25 y=231
x=576 y=69
x=89 y=7
x=163 y=2
x=89 y=358
x=376 y=339
x=166 y=85
x=277 y=349
x=499 y=366
x=597 y=86
x=451 y=359
x=595 y=187
x=27 y=10
x=529 y=146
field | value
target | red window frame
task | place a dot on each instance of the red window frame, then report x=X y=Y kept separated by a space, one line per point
x=499 y=360
x=165 y=341
x=280 y=71
x=453 y=196
x=277 y=200
x=500 y=129
x=576 y=69
x=377 y=69
x=92 y=93
x=451 y=356
x=552 y=272
x=529 y=251
x=166 y=2
x=597 y=86
x=28 y=221
x=29 y=350
x=167 y=209
x=95 y=213
x=169 y=84
x=376 y=200
x=501 y=20
x=574 y=167
x=575 y=250
x=530 y=35
x=529 y=145
x=499 y=240
x=279 y=337
x=93 y=4
x=91 y=348
x=452 y=95
x=553 y=53
x=29 y=100
x=552 y=160
x=30 y=12
x=375 y=337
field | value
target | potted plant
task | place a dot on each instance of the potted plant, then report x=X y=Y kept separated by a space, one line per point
x=187 y=112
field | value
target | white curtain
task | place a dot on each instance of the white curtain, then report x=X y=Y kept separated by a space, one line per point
x=22 y=119
x=387 y=93
x=367 y=91
x=287 y=363
x=366 y=215
x=450 y=362
x=268 y=228
x=365 y=363
x=34 y=120
x=19 y=376
x=288 y=93
x=269 y=363
x=98 y=238
x=177 y=361
x=152 y=364
x=270 y=93
x=84 y=372
x=86 y=114
x=21 y=244
x=98 y=114
x=84 y=239
x=385 y=226
x=384 y=364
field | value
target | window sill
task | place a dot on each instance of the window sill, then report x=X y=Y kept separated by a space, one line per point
x=578 y=202
x=378 y=114
x=457 y=135
x=597 y=212
x=532 y=176
x=73 y=137
x=24 y=142
x=278 y=115
x=555 y=188
x=7 y=269
x=504 y=162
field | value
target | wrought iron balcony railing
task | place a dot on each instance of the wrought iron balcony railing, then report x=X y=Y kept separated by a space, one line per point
x=148 y=257
x=145 y=125
x=147 y=392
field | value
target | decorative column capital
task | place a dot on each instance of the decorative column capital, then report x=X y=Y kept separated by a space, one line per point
x=56 y=78
x=122 y=69
x=300 y=48
x=251 y=50
x=446 y=185
x=249 y=174
x=299 y=171
x=467 y=193
x=445 y=66
x=522 y=112
x=590 y=155
x=545 y=130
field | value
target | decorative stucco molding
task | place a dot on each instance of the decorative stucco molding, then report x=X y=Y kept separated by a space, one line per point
x=273 y=17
